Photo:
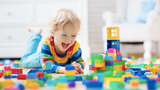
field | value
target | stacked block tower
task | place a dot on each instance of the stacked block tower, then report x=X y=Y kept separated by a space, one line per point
x=112 y=60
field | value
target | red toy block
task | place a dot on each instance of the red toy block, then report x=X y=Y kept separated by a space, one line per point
x=158 y=79
x=17 y=70
x=95 y=68
x=21 y=76
x=118 y=52
x=40 y=74
x=1 y=74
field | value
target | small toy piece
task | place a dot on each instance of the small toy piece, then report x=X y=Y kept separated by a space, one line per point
x=34 y=86
x=134 y=83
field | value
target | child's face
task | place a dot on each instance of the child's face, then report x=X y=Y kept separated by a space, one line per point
x=63 y=39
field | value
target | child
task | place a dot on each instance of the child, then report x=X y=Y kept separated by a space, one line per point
x=60 y=47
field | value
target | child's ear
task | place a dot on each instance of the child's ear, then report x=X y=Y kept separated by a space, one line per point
x=52 y=33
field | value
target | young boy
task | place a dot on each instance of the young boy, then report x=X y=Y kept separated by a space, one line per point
x=60 y=47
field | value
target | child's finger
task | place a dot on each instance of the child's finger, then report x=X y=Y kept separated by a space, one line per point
x=74 y=63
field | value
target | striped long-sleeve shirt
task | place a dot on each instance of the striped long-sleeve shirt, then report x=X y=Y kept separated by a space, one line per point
x=72 y=54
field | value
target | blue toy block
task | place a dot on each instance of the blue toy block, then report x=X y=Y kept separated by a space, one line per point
x=48 y=71
x=48 y=65
x=100 y=77
x=126 y=79
x=108 y=63
x=14 y=75
x=106 y=53
x=43 y=79
x=62 y=79
x=151 y=84
x=159 y=74
x=129 y=57
x=113 y=44
x=92 y=64
x=118 y=57
x=94 y=85
x=6 y=77
x=51 y=83
x=34 y=70
x=19 y=85
x=32 y=76
x=78 y=78
x=69 y=67
x=108 y=58
x=83 y=81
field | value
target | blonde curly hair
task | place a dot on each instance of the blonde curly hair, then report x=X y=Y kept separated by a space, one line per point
x=63 y=17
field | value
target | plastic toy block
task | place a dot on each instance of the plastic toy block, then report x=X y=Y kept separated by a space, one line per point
x=17 y=70
x=113 y=44
x=50 y=83
x=48 y=65
x=89 y=77
x=11 y=88
x=19 y=85
x=7 y=73
x=111 y=50
x=40 y=74
x=69 y=67
x=118 y=52
x=40 y=82
x=94 y=85
x=158 y=84
x=32 y=76
x=97 y=68
x=15 y=75
x=71 y=72
x=118 y=57
x=92 y=64
x=34 y=86
x=62 y=86
x=71 y=84
x=112 y=54
x=78 y=78
x=42 y=79
x=62 y=79
x=126 y=79
x=72 y=77
x=7 y=77
x=100 y=77
x=21 y=76
x=7 y=68
x=134 y=83
x=7 y=83
x=108 y=58
x=109 y=64
x=99 y=60
x=115 y=85
x=114 y=61
x=151 y=84
x=99 y=64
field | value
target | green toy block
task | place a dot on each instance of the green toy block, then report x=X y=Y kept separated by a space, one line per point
x=153 y=59
x=151 y=64
x=158 y=84
x=89 y=77
x=99 y=60
x=116 y=85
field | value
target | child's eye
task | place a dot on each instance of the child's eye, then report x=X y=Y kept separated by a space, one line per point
x=64 y=35
x=73 y=35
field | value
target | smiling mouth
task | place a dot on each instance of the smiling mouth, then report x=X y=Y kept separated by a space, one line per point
x=65 y=45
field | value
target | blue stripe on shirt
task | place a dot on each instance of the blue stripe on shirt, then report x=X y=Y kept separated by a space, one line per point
x=76 y=55
x=46 y=52
x=45 y=47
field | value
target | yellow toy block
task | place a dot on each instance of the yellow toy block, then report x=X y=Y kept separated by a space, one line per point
x=28 y=81
x=113 y=33
x=72 y=72
x=62 y=86
x=99 y=64
x=6 y=83
x=7 y=73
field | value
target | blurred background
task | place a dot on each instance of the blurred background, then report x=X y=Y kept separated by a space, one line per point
x=138 y=20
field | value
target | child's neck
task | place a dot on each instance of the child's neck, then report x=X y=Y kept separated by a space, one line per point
x=61 y=53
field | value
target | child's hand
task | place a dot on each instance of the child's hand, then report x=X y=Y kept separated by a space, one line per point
x=78 y=68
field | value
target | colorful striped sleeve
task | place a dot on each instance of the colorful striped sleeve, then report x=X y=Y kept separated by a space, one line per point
x=77 y=57
x=47 y=55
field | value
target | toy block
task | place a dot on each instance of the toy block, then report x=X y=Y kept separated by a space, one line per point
x=20 y=86
x=21 y=76
x=40 y=74
x=118 y=57
x=34 y=86
x=48 y=65
x=134 y=83
x=113 y=55
x=113 y=44
x=115 y=85
x=109 y=64
x=69 y=67
x=62 y=86
x=92 y=64
x=71 y=84
x=71 y=77
x=111 y=50
x=32 y=76
x=50 y=83
x=99 y=60
x=151 y=84
x=40 y=82
x=118 y=52
x=7 y=83
x=17 y=70
x=73 y=72
x=108 y=58
x=114 y=61
x=99 y=64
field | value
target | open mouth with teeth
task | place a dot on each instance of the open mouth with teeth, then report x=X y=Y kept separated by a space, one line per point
x=65 y=46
